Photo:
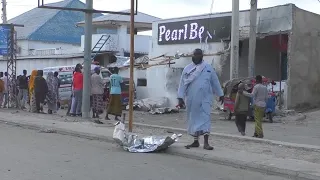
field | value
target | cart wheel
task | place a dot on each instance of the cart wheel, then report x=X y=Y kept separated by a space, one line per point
x=270 y=117
x=229 y=116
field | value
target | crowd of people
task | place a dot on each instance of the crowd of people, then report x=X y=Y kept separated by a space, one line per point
x=34 y=90
x=37 y=91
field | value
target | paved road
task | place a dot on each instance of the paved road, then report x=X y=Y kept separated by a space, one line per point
x=30 y=155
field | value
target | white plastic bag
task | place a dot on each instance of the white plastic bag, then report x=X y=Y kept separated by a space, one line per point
x=119 y=132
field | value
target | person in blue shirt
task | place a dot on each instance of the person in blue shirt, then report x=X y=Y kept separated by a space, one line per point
x=115 y=104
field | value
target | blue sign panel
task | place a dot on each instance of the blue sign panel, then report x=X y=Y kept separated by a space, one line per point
x=4 y=35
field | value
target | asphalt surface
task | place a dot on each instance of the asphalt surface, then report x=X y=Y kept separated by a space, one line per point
x=31 y=155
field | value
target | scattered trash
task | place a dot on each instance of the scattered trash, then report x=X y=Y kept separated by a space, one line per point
x=150 y=103
x=135 y=144
x=154 y=106
x=164 y=111
x=48 y=131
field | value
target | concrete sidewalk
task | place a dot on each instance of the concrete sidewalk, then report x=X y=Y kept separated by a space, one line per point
x=302 y=162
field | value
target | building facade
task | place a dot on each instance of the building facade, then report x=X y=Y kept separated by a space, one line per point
x=287 y=50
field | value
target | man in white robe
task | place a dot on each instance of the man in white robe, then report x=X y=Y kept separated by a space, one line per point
x=198 y=86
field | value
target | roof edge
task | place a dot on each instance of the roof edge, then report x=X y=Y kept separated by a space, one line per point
x=222 y=13
x=82 y=22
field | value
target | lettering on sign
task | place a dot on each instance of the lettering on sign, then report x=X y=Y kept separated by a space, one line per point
x=195 y=31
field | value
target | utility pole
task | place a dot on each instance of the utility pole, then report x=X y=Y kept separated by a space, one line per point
x=252 y=37
x=4 y=12
x=87 y=60
x=234 y=60
x=131 y=89
x=87 y=46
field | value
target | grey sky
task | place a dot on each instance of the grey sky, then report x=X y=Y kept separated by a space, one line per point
x=168 y=8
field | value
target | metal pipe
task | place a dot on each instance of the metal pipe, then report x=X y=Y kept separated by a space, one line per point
x=87 y=62
x=131 y=88
x=280 y=70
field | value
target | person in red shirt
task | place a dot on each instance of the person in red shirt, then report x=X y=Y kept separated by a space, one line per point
x=77 y=93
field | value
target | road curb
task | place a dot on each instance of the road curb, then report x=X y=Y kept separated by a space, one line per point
x=173 y=151
x=291 y=174
x=304 y=147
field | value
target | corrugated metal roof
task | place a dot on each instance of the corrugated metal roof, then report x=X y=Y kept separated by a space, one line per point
x=140 y=18
x=35 y=18
x=50 y=25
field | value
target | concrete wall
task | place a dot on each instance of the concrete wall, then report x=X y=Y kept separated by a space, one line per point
x=142 y=91
x=304 y=60
x=26 y=45
x=266 y=61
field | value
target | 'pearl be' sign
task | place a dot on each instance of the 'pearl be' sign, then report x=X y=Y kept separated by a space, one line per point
x=195 y=31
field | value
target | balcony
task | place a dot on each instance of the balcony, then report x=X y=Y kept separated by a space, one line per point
x=119 y=43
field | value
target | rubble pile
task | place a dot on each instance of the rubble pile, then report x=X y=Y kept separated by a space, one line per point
x=154 y=105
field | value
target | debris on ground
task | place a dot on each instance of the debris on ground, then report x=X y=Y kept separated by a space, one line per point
x=150 y=103
x=135 y=144
x=154 y=106
x=164 y=111
x=48 y=131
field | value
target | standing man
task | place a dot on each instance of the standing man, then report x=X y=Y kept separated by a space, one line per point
x=97 y=93
x=40 y=91
x=23 y=90
x=5 y=92
x=2 y=92
x=260 y=97
x=198 y=85
x=115 y=104
x=241 y=109
x=56 y=77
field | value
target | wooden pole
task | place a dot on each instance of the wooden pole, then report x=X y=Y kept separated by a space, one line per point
x=131 y=88
x=280 y=70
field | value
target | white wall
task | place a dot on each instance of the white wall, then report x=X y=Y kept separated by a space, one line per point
x=121 y=41
x=142 y=92
x=26 y=45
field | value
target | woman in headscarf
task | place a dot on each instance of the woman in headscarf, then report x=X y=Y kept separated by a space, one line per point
x=32 y=98
x=40 y=91
x=97 y=93
x=52 y=95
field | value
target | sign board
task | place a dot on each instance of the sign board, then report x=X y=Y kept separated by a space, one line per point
x=195 y=31
x=4 y=35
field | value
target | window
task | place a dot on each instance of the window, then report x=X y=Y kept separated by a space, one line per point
x=141 y=82
x=65 y=78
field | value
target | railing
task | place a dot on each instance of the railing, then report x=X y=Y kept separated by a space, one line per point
x=111 y=45
x=121 y=43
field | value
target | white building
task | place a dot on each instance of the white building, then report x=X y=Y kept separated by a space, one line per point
x=119 y=41
x=295 y=60
x=51 y=34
